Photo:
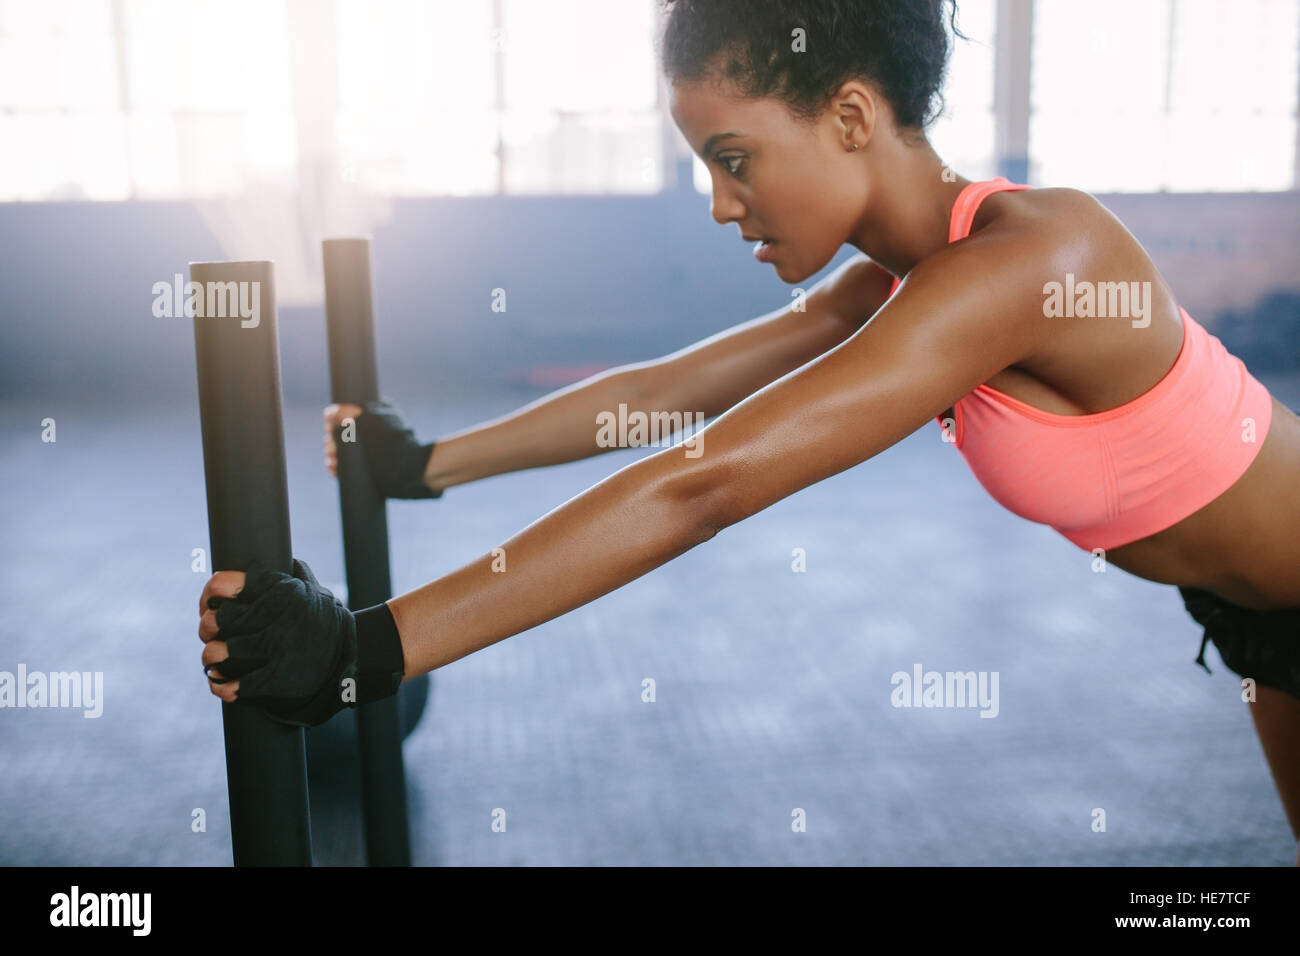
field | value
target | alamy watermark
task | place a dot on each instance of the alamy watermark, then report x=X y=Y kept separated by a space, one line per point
x=946 y=689
x=76 y=908
x=1085 y=300
x=633 y=429
x=83 y=689
x=209 y=300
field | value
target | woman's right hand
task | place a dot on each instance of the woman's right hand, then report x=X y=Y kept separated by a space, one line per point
x=395 y=459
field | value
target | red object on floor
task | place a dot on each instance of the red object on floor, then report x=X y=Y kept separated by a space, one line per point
x=556 y=375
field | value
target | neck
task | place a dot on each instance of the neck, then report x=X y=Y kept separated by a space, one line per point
x=908 y=213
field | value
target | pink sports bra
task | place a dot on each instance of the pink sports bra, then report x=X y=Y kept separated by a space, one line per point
x=1113 y=477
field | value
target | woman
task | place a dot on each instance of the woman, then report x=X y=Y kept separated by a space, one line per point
x=975 y=304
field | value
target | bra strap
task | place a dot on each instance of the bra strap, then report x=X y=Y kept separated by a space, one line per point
x=964 y=209
x=968 y=202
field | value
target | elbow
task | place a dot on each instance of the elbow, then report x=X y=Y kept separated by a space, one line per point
x=703 y=523
x=699 y=495
x=705 y=530
x=717 y=509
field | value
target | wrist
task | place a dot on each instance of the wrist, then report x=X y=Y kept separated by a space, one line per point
x=430 y=477
x=380 y=664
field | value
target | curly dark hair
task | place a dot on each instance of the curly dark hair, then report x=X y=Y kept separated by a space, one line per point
x=901 y=46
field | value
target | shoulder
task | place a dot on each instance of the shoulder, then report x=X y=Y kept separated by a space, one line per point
x=1048 y=201
x=1056 y=228
x=1041 y=213
x=1036 y=237
x=1064 y=197
x=985 y=292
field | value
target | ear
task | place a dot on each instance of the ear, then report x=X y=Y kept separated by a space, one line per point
x=855 y=110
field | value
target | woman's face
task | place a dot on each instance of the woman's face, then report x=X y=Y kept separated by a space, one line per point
x=797 y=185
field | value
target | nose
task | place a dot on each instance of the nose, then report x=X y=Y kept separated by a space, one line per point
x=725 y=208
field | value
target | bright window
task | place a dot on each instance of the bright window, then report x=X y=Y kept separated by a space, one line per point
x=60 y=117
x=963 y=133
x=167 y=99
x=170 y=99
x=581 y=97
x=1161 y=95
x=416 y=93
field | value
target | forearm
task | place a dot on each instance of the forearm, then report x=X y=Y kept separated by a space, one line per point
x=630 y=523
x=558 y=427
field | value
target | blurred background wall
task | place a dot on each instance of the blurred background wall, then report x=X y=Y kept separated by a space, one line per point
x=590 y=282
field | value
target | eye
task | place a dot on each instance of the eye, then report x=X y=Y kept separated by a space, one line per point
x=726 y=161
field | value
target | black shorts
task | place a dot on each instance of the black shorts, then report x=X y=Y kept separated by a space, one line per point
x=1263 y=645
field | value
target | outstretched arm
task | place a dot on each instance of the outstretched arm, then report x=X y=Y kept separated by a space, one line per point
x=949 y=328
x=707 y=378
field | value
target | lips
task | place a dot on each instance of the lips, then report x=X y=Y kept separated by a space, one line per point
x=762 y=246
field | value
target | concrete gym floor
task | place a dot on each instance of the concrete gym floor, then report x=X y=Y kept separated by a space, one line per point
x=773 y=687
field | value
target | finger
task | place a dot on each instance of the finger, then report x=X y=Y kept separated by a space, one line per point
x=214 y=653
x=257 y=579
x=221 y=687
x=223 y=584
x=223 y=667
x=209 y=626
x=239 y=617
x=208 y=629
x=233 y=600
x=227 y=692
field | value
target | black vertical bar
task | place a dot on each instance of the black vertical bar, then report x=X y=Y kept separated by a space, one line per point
x=349 y=316
x=237 y=352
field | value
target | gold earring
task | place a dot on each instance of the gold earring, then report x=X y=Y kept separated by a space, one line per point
x=853 y=147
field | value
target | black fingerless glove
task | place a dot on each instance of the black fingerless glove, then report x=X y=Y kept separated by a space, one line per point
x=298 y=653
x=395 y=458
